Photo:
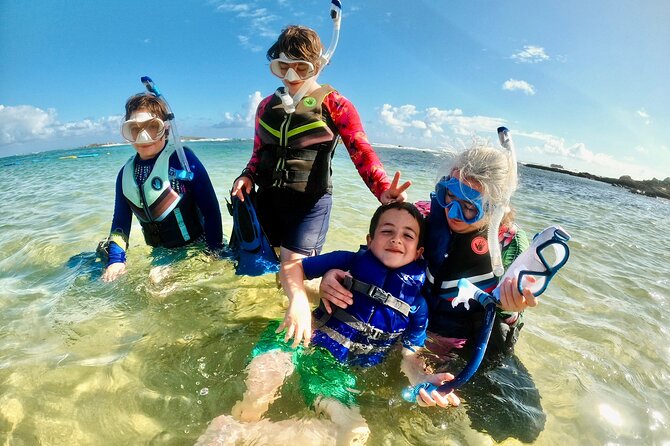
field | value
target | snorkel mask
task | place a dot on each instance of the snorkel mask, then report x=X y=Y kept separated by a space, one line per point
x=288 y=102
x=291 y=69
x=463 y=202
x=143 y=128
x=547 y=254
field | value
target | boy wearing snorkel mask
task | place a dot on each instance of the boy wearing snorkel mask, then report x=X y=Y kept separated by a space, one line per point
x=386 y=275
x=173 y=209
x=296 y=131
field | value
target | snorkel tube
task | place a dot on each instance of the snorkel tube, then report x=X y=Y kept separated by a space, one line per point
x=336 y=15
x=533 y=269
x=186 y=174
x=500 y=208
x=289 y=102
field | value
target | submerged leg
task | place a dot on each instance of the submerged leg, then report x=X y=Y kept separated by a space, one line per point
x=352 y=429
x=226 y=431
x=266 y=374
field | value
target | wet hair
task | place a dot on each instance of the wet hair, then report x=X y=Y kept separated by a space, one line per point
x=409 y=207
x=149 y=102
x=492 y=169
x=298 y=42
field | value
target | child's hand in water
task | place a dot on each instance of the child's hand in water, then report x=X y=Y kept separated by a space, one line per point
x=113 y=272
x=297 y=322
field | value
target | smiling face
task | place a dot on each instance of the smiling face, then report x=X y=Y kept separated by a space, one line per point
x=395 y=241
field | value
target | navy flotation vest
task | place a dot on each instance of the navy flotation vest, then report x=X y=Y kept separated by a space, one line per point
x=354 y=336
x=296 y=148
x=168 y=218
x=455 y=256
x=452 y=257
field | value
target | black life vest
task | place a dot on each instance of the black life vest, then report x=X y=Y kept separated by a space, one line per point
x=297 y=148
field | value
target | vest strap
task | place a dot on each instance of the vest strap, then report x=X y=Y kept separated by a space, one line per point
x=377 y=294
x=368 y=330
x=354 y=347
x=290 y=176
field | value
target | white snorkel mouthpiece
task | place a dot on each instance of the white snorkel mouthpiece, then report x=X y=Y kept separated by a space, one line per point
x=500 y=208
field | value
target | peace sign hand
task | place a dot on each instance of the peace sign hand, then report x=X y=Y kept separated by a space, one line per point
x=395 y=193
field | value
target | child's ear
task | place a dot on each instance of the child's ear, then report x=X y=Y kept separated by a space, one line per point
x=368 y=239
x=419 y=252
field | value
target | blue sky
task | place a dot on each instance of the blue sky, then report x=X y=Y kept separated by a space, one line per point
x=579 y=83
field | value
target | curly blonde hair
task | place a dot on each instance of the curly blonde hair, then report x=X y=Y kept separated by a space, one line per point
x=492 y=168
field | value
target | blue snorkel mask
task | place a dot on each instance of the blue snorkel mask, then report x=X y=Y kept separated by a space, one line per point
x=548 y=253
x=463 y=202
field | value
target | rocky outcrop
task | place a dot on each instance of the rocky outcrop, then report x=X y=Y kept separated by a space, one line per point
x=651 y=188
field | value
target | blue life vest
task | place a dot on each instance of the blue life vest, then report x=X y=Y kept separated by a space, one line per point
x=363 y=333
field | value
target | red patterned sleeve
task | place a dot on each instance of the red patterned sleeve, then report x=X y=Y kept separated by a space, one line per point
x=348 y=123
x=252 y=165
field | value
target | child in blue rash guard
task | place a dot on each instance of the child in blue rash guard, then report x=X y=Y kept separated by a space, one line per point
x=173 y=212
x=387 y=276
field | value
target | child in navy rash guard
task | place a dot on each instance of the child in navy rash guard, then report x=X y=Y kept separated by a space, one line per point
x=172 y=210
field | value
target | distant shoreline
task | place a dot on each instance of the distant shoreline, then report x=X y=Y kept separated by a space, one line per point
x=650 y=188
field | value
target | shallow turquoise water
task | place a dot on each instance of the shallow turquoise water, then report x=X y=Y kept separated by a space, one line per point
x=139 y=362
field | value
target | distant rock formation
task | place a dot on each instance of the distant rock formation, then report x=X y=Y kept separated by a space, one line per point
x=650 y=188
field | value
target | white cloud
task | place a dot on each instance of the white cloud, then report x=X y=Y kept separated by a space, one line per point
x=258 y=21
x=397 y=118
x=513 y=84
x=245 y=119
x=24 y=123
x=642 y=113
x=531 y=54
x=423 y=125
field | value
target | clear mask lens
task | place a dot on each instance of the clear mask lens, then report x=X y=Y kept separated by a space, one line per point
x=291 y=69
x=550 y=257
x=143 y=128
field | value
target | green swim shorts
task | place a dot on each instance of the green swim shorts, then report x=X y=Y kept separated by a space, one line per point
x=320 y=373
